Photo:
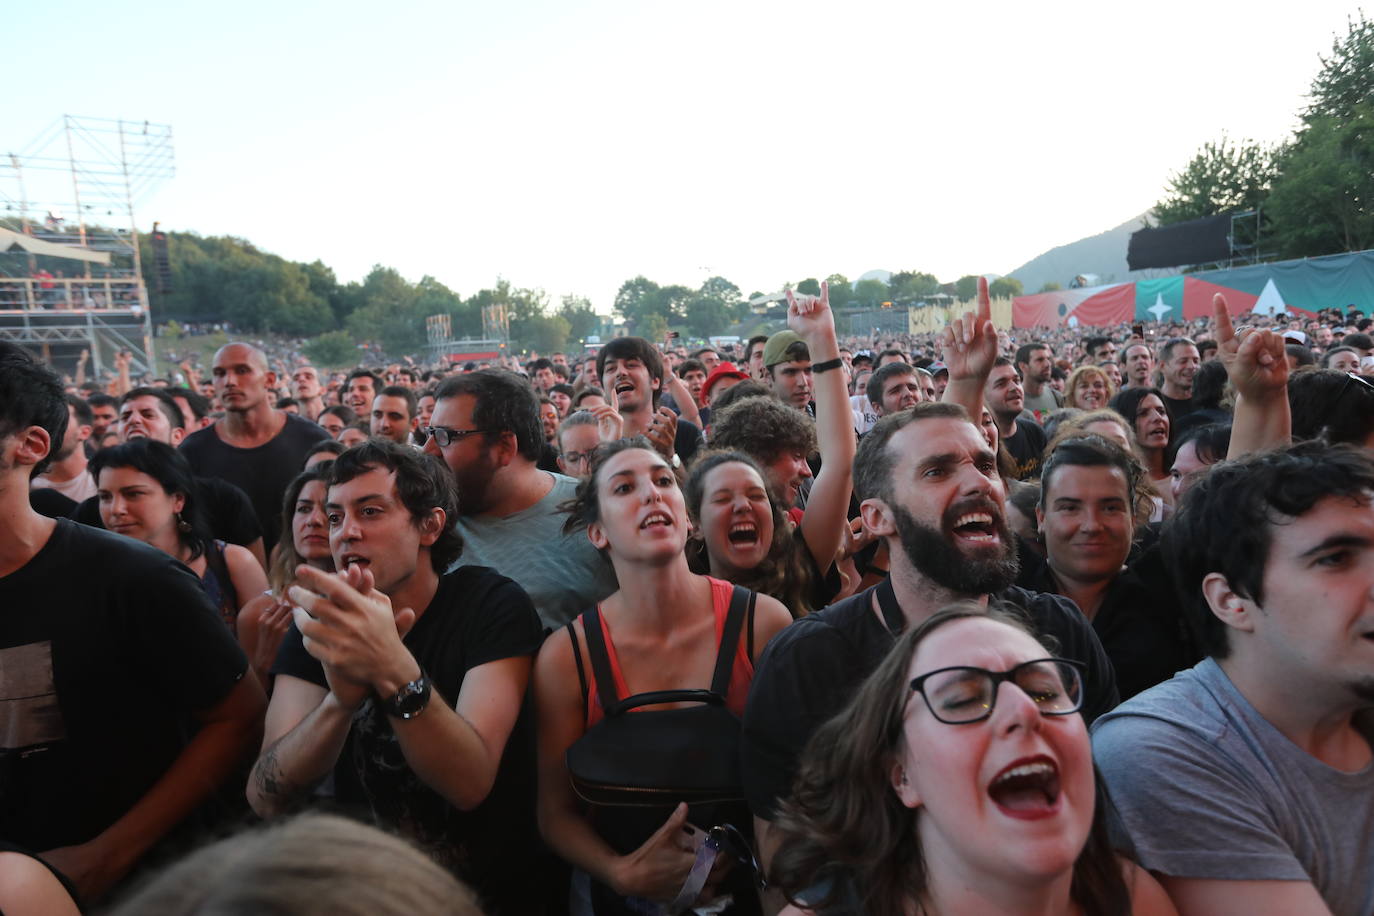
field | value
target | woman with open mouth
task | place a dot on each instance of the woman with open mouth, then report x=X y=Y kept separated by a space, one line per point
x=665 y=629
x=1148 y=413
x=958 y=780
x=742 y=536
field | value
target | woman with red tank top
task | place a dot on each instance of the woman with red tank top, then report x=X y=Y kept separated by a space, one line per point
x=661 y=630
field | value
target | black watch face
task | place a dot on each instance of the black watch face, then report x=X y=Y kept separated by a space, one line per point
x=411 y=698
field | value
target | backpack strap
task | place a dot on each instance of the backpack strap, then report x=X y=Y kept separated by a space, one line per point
x=600 y=658
x=749 y=623
x=741 y=600
x=577 y=657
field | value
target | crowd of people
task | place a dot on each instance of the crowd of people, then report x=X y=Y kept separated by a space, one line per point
x=642 y=630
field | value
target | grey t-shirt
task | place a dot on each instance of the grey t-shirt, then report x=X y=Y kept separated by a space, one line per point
x=1207 y=788
x=563 y=574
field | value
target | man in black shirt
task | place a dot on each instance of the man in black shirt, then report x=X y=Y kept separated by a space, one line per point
x=1023 y=438
x=422 y=674
x=1178 y=363
x=110 y=655
x=931 y=491
x=254 y=446
x=1086 y=516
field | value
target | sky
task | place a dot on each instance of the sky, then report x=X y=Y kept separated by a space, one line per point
x=571 y=146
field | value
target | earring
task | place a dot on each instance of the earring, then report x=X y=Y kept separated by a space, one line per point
x=182 y=525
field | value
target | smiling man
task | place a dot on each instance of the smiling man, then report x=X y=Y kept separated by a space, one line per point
x=254 y=446
x=1086 y=519
x=929 y=488
x=421 y=673
x=1024 y=439
x=1246 y=783
x=631 y=369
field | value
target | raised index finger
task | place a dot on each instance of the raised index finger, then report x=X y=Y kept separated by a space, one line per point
x=984 y=301
x=1225 y=330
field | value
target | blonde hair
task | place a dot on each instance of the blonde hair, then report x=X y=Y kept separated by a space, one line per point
x=1082 y=372
x=312 y=865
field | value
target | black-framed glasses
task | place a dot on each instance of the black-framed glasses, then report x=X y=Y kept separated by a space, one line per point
x=964 y=694
x=444 y=436
x=727 y=839
x=578 y=457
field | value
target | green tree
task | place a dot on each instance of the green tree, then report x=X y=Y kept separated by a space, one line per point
x=333 y=350
x=841 y=292
x=1004 y=288
x=966 y=287
x=871 y=293
x=707 y=317
x=1220 y=177
x=913 y=284
x=810 y=286
x=637 y=301
x=581 y=317
x=1323 y=199
x=1346 y=80
x=1050 y=287
x=545 y=333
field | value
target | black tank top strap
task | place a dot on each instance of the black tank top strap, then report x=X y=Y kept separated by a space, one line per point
x=600 y=659
x=577 y=658
x=741 y=600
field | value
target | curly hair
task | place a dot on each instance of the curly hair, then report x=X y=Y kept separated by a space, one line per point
x=1082 y=372
x=844 y=819
x=763 y=428
x=784 y=573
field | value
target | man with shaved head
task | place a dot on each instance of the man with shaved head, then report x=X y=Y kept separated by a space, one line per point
x=254 y=446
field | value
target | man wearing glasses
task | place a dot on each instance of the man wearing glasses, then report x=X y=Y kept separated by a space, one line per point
x=930 y=489
x=1246 y=783
x=486 y=428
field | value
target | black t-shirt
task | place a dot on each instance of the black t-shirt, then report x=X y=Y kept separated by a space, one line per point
x=477 y=616
x=49 y=502
x=1138 y=622
x=1026 y=448
x=687 y=441
x=225 y=509
x=263 y=472
x=1178 y=408
x=107 y=648
x=812 y=668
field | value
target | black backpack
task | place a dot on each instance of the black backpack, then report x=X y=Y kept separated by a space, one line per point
x=635 y=769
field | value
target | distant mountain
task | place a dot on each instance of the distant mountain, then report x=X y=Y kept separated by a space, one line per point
x=1103 y=254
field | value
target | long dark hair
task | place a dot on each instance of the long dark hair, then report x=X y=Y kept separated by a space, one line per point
x=170 y=469
x=784 y=574
x=283 y=571
x=844 y=821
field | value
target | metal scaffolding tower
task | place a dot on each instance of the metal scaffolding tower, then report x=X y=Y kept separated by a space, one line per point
x=70 y=267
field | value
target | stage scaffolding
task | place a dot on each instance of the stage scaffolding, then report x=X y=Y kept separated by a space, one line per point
x=71 y=272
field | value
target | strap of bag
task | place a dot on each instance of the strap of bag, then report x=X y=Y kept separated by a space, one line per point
x=600 y=658
x=749 y=623
x=577 y=657
x=741 y=600
x=696 y=878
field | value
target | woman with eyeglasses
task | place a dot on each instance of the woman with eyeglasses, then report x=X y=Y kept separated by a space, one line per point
x=665 y=629
x=959 y=780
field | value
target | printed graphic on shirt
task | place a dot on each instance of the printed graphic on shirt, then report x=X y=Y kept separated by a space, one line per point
x=29 y=712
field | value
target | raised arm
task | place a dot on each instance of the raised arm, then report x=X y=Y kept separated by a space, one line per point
x=827 y=507
x=1258 y=368
x=969 y=348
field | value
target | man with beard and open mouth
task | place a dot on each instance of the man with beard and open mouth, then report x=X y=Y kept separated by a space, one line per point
x=929 y=488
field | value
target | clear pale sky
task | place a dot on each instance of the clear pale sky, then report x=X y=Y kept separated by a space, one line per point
x=571 y=146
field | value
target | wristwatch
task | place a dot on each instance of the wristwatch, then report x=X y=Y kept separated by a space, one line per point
x=411 y=699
